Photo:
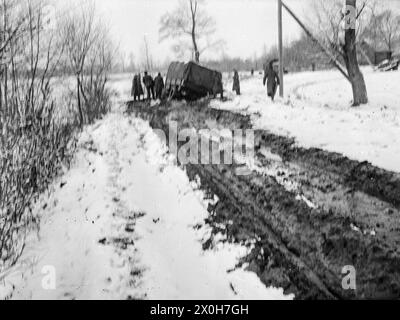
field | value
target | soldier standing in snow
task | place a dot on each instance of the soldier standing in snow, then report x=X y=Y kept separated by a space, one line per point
x=217 y=86
x=137 y=89
x=149 y=84
x=272 y=79
x=236 y=82
x=159 y=85
x=141 y=91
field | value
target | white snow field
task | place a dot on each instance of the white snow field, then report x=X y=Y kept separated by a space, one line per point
x=125 y=223
x=317 y=112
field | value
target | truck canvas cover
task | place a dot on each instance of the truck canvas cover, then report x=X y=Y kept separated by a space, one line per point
x=192 y=80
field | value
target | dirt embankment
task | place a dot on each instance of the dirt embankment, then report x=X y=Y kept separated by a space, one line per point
x=308 y=211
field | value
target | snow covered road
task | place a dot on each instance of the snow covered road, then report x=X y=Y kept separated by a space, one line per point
x=125 y=223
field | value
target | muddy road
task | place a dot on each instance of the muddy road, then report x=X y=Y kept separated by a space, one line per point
x=307 y=212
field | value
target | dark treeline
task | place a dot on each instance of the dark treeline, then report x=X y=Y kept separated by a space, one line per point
x=299 y=55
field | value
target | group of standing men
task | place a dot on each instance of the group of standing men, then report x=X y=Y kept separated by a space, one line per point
x=154 y=87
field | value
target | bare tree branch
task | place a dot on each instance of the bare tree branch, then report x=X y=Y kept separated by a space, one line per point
x=189 y=20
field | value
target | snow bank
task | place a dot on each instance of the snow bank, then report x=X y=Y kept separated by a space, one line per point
x=75 y=216
x=317 y=112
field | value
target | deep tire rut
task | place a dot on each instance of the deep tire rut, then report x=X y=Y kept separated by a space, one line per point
x=336 y=212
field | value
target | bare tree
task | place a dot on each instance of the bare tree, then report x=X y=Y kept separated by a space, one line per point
x=382 y=28
x=339 y=29
x=190 y=21
x=99 y=64
x=131 y=65
x=349 y=53
x=88 y=54
x=148 y=62
x=388 y=24
x=371 y=32
x=37 y=137
x=32 y=143
x=78 y=32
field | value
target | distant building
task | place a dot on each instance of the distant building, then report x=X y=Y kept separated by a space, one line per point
x=382 y=56
x=376 y=56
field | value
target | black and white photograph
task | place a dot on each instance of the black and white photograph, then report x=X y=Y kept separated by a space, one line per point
x=217 y=152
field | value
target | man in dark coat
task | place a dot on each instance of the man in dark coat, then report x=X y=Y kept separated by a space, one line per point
x=141 y=91
x=159 y=85
x=272 y=79
x=137 y=90
x=149 y=84
x=217 y=86
x=236 y=82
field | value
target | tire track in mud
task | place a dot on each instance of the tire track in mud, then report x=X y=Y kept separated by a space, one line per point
x=336 y=212
x=234 y=203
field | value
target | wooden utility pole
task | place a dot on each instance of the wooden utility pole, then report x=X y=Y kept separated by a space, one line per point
x=332 y=58
x=280 y=31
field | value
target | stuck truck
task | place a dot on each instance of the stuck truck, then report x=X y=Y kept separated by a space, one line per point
x=191 y=81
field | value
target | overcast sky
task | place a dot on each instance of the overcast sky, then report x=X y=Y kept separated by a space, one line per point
x=245 y=25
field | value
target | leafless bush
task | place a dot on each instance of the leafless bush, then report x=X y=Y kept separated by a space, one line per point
x=89 y=57
x=35 y=137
